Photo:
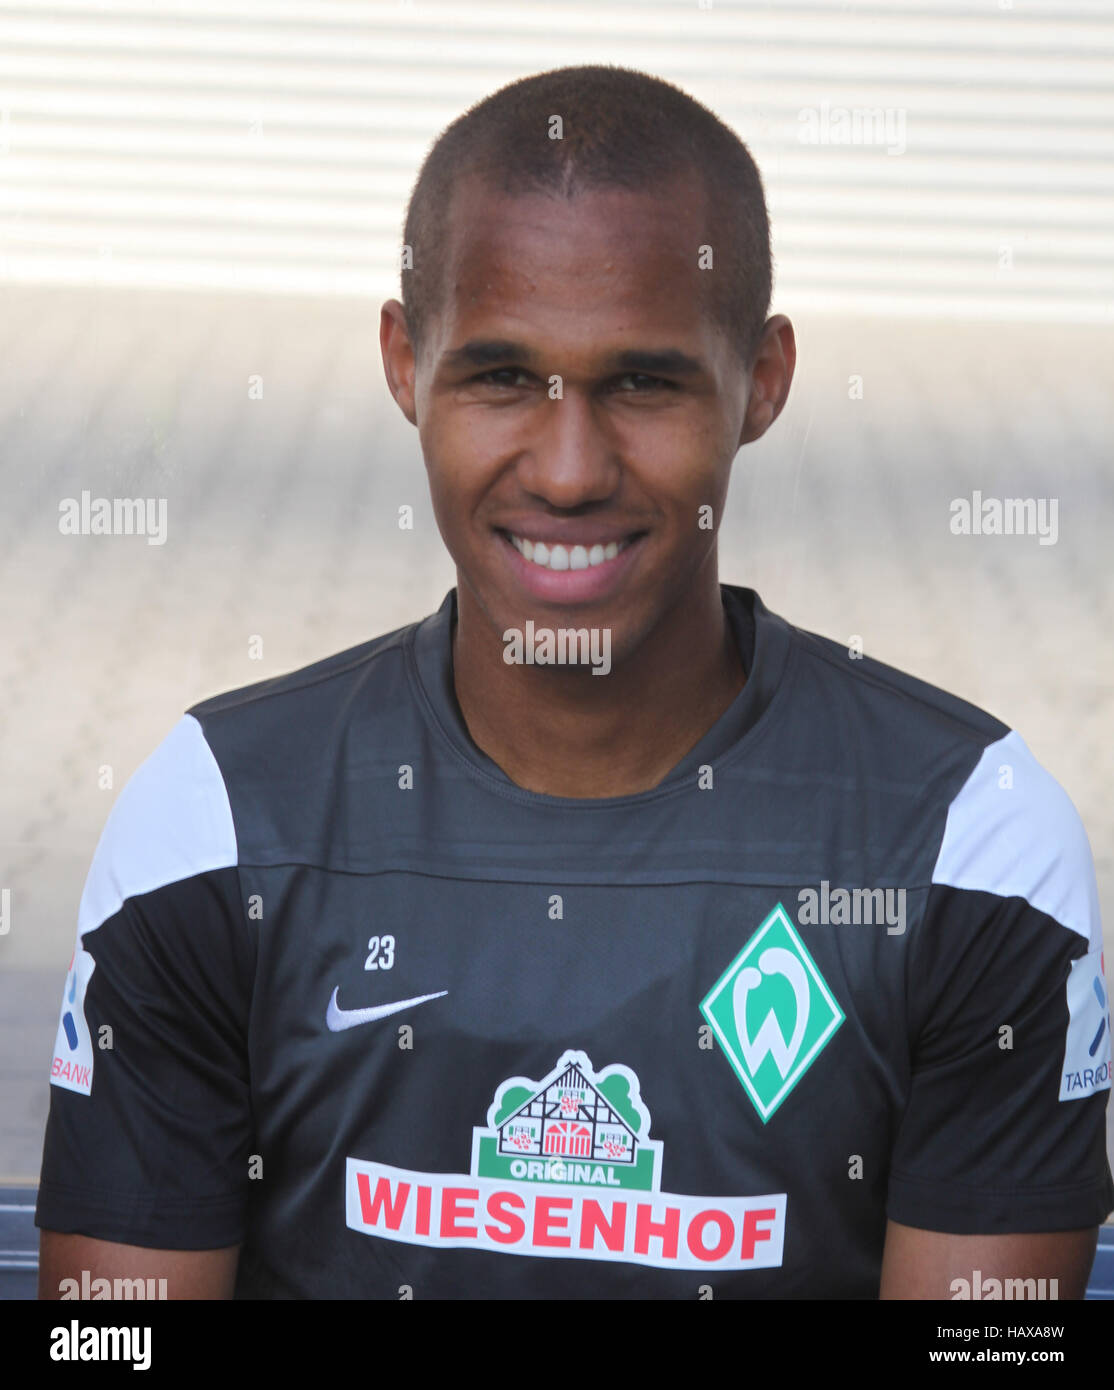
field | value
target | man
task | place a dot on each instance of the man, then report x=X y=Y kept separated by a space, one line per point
x=602 y=935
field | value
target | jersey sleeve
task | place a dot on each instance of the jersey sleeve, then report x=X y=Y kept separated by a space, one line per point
x=149 y=1129
x=1009 y=1027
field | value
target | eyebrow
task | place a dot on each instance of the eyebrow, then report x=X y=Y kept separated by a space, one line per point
x=670 y=360
x=490 y=352
x=487 y=352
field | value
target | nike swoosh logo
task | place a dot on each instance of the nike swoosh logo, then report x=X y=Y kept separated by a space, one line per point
x=338 y=1019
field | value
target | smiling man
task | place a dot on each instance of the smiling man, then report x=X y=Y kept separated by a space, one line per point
x=579 y=406
x=737 y=968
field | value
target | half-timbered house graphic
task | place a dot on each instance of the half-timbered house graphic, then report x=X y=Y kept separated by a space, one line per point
x=568 y=1118
x=576 y=1125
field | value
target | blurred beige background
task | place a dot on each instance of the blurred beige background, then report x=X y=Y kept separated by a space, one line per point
x=195 y=196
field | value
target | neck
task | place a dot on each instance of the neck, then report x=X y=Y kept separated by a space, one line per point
x=564 y=732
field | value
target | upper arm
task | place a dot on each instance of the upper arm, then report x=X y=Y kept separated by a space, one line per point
x=150 y=1126
x=1003 y=1131
x=924 y=1264
x=188 y=1273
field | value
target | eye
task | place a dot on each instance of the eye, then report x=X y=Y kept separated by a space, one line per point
x=643 y=383
x=504 y=376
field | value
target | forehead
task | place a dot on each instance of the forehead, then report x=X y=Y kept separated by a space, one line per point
x=604 y=262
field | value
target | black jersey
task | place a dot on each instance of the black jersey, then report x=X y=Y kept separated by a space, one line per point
x=346 y=994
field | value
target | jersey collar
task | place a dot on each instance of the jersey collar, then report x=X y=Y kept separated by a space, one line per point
x=763 y=640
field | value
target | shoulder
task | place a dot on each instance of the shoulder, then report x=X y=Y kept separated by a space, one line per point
x=182 y=813
x=928 y=768
x=1013 y=831
x=171 y=821
x=887 y=751
x=305 y=758
x=308 y=697
x=296 y=727
x=891 y=704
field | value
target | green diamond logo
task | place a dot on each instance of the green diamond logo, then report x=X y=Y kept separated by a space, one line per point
x=772 y=1012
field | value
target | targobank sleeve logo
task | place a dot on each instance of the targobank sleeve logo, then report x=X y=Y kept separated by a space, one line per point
x=565 y=1167
x=1087 y=1049
x=72 y=1066
x=772 y=1012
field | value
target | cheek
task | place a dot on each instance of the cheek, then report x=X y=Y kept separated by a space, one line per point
x=440 y=478
x=454 y=469
x=468 y=453
x=684 y=458
x=458 y=438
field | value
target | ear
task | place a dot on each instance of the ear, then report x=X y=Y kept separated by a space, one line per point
x=771 y=376
x=399 y=358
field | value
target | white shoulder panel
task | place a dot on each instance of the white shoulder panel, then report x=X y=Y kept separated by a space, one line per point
x=1012 y=830
x=172 y=820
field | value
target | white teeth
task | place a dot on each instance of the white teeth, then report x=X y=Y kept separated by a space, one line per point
x=560 y=557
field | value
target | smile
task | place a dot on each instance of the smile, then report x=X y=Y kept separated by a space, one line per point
x=561 y=557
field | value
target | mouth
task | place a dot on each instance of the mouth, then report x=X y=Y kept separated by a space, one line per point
x=571 y=571
x=559 y=557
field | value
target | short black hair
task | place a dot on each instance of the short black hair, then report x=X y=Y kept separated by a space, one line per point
x=620 y=129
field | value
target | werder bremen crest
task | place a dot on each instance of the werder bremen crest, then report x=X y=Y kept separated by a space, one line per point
x=772 y=1012
x=565 y=1168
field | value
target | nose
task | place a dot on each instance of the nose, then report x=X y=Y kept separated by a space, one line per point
x=570 y=459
